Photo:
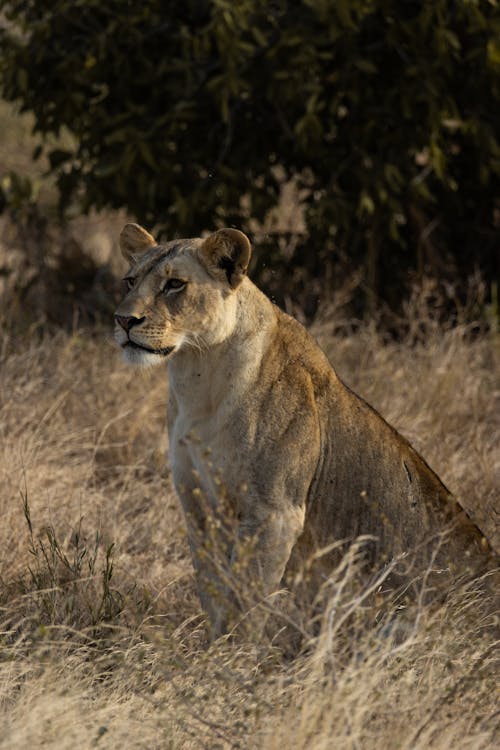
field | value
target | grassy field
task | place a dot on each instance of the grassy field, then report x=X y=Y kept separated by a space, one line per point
x=102 y=638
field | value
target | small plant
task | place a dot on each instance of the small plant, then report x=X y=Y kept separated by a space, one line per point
x=68 y=587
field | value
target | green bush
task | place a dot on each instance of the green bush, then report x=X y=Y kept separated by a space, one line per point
x=385 y=113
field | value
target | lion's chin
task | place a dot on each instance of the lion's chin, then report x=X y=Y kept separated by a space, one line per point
x=136 y=355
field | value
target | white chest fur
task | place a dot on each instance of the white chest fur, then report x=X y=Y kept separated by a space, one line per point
x=208 y=396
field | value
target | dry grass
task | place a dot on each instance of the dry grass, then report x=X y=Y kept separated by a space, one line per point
x=102 y=640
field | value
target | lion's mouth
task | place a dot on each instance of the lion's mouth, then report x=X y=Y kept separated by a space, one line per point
x=163 y=352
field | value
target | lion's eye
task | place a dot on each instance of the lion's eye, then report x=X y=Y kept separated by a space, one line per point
x=174 y=285
x=129 y=281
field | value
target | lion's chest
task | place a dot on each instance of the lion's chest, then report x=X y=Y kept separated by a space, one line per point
x=205 y=455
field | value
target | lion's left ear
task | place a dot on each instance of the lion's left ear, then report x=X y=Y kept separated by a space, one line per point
x=134 y=241
x=226 y=254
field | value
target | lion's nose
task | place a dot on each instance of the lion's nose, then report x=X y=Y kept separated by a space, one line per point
x=127 y=321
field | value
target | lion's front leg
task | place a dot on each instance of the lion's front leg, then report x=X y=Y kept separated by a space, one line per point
x=211 y=535
x=210 y=548
x=258 y=561
x=239 y=550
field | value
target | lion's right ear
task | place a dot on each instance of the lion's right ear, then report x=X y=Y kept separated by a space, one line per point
x=134 y=241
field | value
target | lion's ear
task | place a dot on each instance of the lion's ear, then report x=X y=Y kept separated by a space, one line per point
x=134 y=241
x=226 y=254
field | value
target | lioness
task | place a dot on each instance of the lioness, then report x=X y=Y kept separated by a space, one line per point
x=261 y=428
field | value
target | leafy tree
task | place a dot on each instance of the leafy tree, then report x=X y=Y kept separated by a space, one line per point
x=386 y=113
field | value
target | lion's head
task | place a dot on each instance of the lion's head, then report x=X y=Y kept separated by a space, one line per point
x=179 y=294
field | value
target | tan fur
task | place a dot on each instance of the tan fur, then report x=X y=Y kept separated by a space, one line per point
x=263 y=431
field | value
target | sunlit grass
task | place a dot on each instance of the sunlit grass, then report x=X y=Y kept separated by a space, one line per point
x=102 y=638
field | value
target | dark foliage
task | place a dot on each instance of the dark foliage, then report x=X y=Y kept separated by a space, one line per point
x=385 y=112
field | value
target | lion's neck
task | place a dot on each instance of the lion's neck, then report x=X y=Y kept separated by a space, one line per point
x=202 y=378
